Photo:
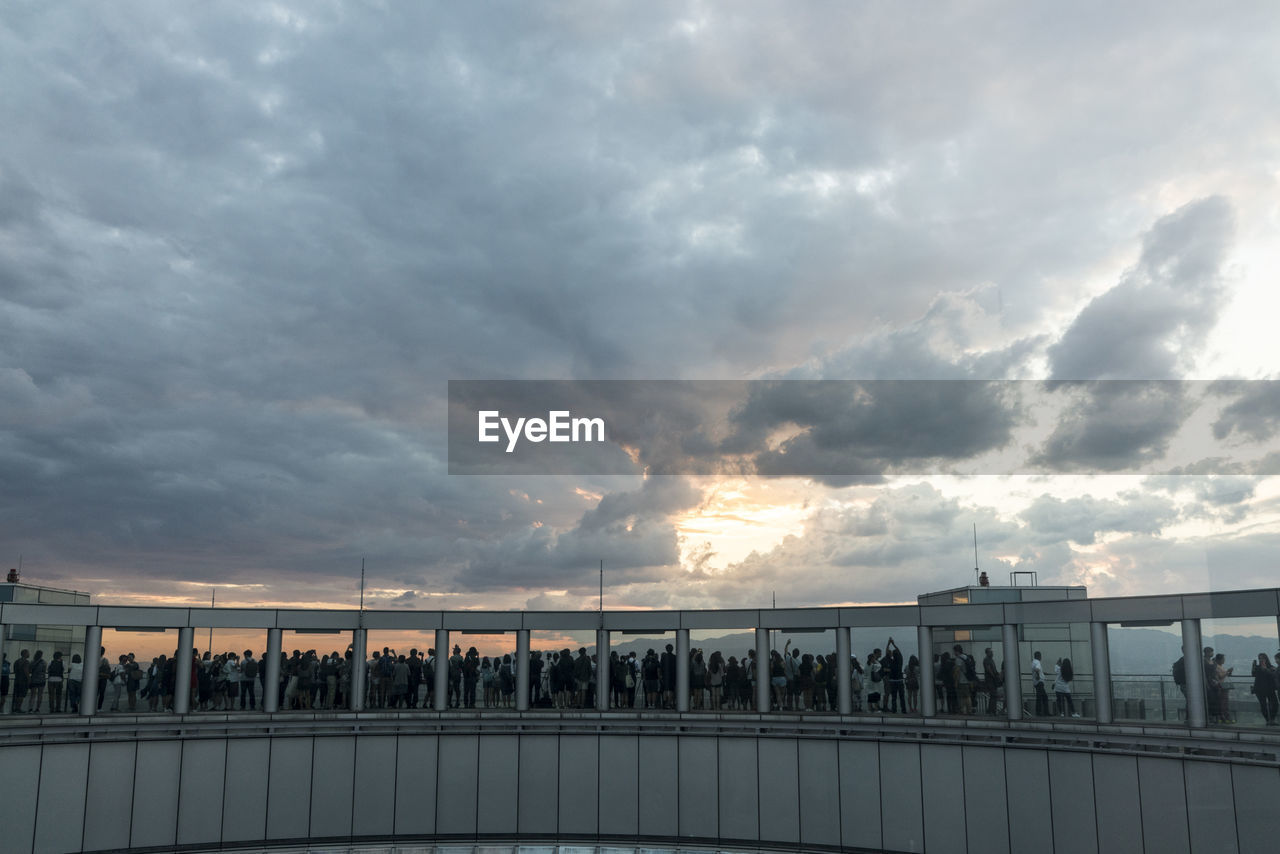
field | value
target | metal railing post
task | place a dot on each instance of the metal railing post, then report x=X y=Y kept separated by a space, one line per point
x=844 y=672
x=602 y=670
x=271 y=672
x=928 y=698
x=1012 y=672
x=1193 y=666
x=359 y=653
x=522 y=670
x=182 y=671
x=442 y=670
x=1101 y=672
x=89 y=676
x=682 y=670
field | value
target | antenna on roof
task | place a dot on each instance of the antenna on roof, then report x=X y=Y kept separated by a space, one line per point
x=361 y=615
x=977 y=576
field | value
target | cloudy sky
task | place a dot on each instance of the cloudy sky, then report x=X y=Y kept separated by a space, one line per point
x=244 y=247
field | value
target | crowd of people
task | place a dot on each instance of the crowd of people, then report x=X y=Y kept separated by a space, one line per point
x=884 y=681
x=1265 y=685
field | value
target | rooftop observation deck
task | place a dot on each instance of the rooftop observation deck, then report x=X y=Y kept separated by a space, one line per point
x=689 y=777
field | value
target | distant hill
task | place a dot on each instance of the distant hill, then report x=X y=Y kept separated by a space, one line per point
x=1132 y=650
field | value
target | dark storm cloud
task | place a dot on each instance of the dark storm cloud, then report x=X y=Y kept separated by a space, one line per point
x=242 y=247
x=1254 y=414
x=1151 y=324
x=1116 y=426
x=870 y=428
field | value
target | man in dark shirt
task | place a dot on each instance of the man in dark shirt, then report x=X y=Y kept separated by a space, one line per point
x=893 y=678
x=668 y=678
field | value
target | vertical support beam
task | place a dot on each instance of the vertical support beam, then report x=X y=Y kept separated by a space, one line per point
x=844 y=672
x=522 y=670
x=928 y=699
x=602 y=670
x=442 y=670
x=271 y=674
x=763 y=691
x=359 y=654
x=1193 y=661
x=1012 y=672
x=182 y=671
x=682 y=670
x=89 y=678
x=1101 y=671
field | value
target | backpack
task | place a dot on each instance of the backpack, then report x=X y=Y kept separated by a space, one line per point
x=250 y=668
x=388 y=666
x=970 y=670
x=877 y=673
x=1180 y=672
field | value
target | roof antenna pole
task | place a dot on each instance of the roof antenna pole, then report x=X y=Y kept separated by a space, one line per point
x=976 y=574
x=361 y=615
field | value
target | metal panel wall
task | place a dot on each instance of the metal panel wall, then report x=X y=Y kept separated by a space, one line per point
x=333 y=771
x=1071 y=786
x=244 y=808
x=204 y=764
x=457 y=784
x=1164 y=806
x=1209 y=807
x=901 y=818
x=860 y=794
x=699 y=809
x=18 y=797
x=109 y=808
x=1118 y=806
x=1030 y=805
x=416 y=784
x=64 y=770
x=498 y=789
x=619 y=784
x=740 y=803
x=373 y=807
x=779 y=790
x=1257 y=797
x=659 y=774
x=579 y=784
x=943 y=796
x=819 y=792
x=985 y=800
x=539 y=799
x=288 y=800
x=155 y=797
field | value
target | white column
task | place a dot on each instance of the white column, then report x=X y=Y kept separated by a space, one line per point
x=271 y=675
x=682 y=670
x=1193 y=665
x=1101 y=672
x=182 y=671
x=1012 y=673
x=844 y=670
x=928 y=700
x=442 y=670
x=522 y=670
x=602 y=670
x=89 y=679
x=763 y=693
x=359 y=652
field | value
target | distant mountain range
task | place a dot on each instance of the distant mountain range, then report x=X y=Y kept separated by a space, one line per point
x=1132 y=650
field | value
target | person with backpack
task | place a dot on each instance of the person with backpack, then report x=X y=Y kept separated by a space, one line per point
x=876 y=670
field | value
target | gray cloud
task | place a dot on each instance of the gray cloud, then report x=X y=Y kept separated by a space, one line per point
x=242 y=248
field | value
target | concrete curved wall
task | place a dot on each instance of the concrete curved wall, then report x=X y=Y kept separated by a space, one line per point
x=168 y=784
